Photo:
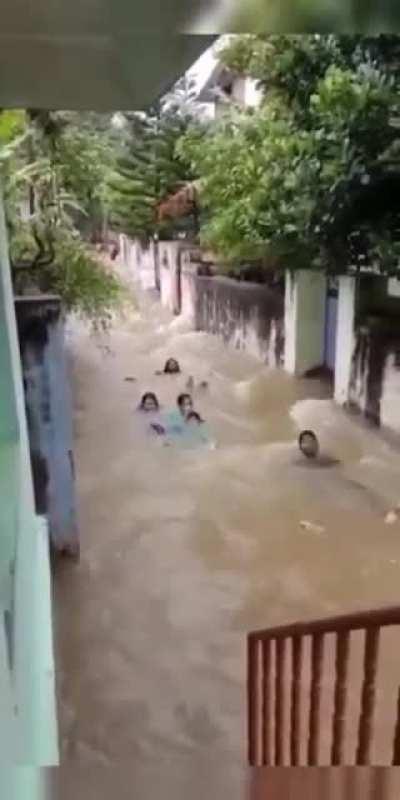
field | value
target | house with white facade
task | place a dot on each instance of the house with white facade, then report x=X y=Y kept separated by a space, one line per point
x=224 y=87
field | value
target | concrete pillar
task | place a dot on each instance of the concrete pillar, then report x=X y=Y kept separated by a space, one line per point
x=188 y=291
x=305 y=307
x=170 y=275
x=147 y=269
x=344 y=337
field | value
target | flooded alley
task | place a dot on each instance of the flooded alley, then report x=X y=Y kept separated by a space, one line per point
x=184 y=551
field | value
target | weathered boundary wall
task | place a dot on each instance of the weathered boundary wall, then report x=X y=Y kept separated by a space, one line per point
x=169 y=254
x=49 y=414
x=305 y=307
x=289 y=331
x=368 y=357
x=375 y=375
x=246 y=316
x=139 y=262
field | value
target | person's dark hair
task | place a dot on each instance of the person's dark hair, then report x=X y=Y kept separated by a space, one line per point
x=149 y=396
x=196 y=416
x=305 y=434
x=309 y=449
x=172 y=366
x=158 y=429
x=182 y=397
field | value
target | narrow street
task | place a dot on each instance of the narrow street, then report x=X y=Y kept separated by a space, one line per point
x=184 y=552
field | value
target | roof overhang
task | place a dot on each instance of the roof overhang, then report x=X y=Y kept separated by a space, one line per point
x=93 y=54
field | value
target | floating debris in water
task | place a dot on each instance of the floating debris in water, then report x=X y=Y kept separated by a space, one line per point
x=311 y=527
x=392 y=517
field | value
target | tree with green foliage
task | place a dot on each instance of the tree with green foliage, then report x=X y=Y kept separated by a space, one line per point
x=291 y=65
x=148 y=170
x=54 y=175
x=367 y=17
x=326 y=132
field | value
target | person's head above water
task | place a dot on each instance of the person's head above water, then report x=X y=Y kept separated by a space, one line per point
x=185 y=404
x=194 y=418
x=149 y=402
x=171 y=367
x=308 y=444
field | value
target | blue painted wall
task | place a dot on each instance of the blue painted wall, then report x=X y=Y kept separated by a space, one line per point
x=49 y=412
x=28 y=724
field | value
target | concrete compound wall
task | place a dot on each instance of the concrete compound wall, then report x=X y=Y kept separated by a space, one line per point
x=390 y=397
x=49 y=413
x=367 y=375
x=289 y=332
x=305 y=304
x=345 y=338
x=146 y=257
x=169 y=254
x=188 y=294
x=247 y=316
x=27 y=680
x=138 y=262
x=374 y=387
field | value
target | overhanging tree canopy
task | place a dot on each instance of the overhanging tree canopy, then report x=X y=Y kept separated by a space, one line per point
x=334 y=125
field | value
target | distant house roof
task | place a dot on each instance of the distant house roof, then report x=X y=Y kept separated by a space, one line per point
x=93 y=54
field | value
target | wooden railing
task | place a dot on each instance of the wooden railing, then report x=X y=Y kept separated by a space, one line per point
x=275 y=690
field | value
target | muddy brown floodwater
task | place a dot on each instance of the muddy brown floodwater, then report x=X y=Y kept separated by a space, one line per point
x=183 y=552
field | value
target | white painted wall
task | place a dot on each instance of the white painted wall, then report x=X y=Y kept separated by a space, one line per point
x=188 y=309
x=246 y=92
x=290 y=322
x=165 y=287
x=147 y=273
x=252 y=94
x=390 y=400
x=305 y=307
x=393 y=287
x=169 y=254
x=137 y=262
x=344 y=338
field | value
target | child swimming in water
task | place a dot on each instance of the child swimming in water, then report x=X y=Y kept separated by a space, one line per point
x=171 y=367
x=149 y=403
x=198 y=431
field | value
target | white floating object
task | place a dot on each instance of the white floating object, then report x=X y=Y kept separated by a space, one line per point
x=391 y=518
x=311 y=527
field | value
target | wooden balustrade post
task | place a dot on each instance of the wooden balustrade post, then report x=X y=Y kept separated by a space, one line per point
x=267 y=702
x=317 y=659
x=253 y=701
x=297 y=661
x=263 y=706
x=279 y=701
x=368 y=696
x=339 y=715
x=396 y=742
